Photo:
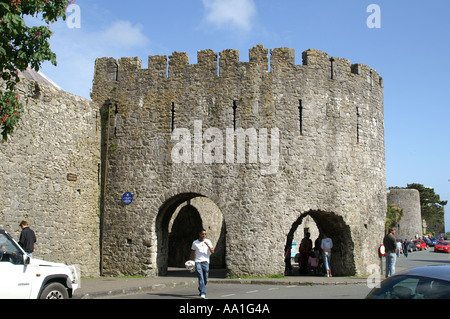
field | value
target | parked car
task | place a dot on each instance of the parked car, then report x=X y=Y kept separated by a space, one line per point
x=442 y=246
x=25 y=277
x=433 y=241
x=430 y=282
x=411 y=246
x=420 y=244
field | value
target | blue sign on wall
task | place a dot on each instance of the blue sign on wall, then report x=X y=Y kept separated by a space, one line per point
x=127 y=198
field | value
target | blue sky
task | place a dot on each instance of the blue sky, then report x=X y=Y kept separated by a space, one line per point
x=411 y=51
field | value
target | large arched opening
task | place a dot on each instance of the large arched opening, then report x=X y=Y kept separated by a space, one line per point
x=179 y=220
x=334 y=226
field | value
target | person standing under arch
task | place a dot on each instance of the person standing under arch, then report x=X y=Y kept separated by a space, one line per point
x=287 y=256
x=305 y=249
x=326 y=245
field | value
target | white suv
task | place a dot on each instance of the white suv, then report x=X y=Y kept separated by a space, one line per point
x=23 y=277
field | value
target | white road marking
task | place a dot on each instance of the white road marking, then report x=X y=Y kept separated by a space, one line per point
x=252 y=291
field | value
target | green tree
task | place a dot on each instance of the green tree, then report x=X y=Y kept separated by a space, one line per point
x=432 y=207
x=22 y=46
x=393 y=216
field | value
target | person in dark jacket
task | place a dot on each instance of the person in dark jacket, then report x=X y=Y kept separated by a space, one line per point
x=305 y=249
x=390 y=245
x=27 y=237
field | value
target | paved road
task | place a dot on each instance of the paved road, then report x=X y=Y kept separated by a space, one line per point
x=252 y=291
x=423 y=258
x=238 y=291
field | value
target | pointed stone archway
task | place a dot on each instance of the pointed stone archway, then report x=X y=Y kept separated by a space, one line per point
x=342 y=256
x=177 y=225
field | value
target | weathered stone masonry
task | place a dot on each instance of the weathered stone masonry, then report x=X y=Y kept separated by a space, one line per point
x=329 y=114
x=49 y=175
x=410 y=224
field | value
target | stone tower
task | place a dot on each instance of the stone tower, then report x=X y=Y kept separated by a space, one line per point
x=410 y=224
x=266 y=146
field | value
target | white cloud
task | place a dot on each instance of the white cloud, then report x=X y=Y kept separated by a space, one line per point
x=234 y=13
x=122 y=34
x=77 y=49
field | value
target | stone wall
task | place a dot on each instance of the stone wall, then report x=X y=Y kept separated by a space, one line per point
x=58 y=135
x=316 y=148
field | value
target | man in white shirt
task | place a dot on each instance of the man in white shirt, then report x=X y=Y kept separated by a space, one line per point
x=201 y=249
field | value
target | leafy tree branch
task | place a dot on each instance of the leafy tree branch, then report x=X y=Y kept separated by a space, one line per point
x=22 y=47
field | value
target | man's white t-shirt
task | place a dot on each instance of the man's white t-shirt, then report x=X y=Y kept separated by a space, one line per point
x=202 y=252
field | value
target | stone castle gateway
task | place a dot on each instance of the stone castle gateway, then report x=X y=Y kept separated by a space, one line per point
x=246 y=150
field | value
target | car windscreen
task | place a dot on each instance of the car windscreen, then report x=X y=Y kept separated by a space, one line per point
x=411 y=287
x=9 y=252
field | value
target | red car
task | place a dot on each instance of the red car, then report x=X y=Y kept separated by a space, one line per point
x=442 y=246
x=420 y=244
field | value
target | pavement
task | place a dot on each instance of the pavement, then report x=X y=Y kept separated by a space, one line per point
x=103 y=287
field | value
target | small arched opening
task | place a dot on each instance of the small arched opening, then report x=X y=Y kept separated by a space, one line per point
x=334 y=226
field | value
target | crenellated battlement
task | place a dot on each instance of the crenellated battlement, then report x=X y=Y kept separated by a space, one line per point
x=227 y=63
x=271 y=89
